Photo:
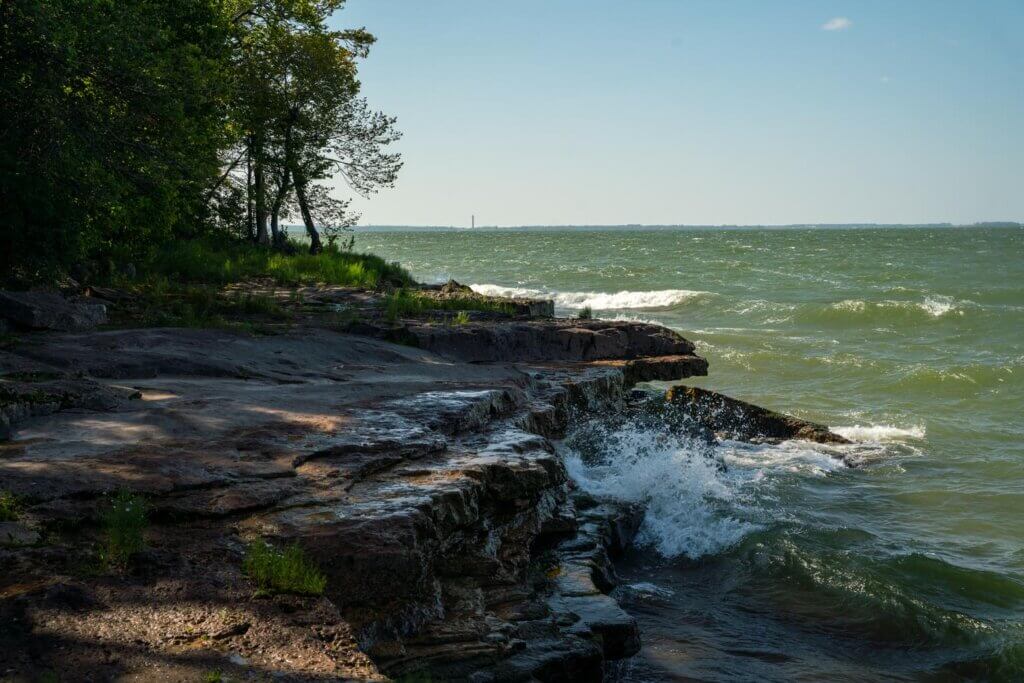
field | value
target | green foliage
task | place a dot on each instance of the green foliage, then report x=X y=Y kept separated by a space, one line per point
x=585 y=313
x=9 y=507
x=283 y=571
x=221 y=262
x=124 y=525
x=461 y=318
x=406 y=302
x=214 y=676
x=113 y=118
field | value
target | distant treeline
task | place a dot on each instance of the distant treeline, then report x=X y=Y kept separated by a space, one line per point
x=127 y=125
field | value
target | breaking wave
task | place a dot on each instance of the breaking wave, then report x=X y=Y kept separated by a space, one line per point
x=602 y=301
x=699 y=499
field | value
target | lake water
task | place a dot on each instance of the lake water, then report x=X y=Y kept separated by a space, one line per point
x=787 y=564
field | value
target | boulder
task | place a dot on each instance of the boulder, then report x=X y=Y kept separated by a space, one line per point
x=744 y=421
x=50 y=311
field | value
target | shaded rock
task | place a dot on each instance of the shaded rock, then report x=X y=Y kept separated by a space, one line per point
x=744 y=421
x=555 y=340
x=50 y=311
x=20 y=400
x=16 y=533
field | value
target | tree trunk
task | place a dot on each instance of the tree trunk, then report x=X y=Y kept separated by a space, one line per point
x=248 y=195
x=315 y=246
x=261 y=196
x=282 y=191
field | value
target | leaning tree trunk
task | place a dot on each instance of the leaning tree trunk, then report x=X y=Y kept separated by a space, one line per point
x=315 y=246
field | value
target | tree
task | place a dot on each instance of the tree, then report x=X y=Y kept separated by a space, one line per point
x=112 y=122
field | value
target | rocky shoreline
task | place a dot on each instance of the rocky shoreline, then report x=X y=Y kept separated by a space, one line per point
x=420 y=477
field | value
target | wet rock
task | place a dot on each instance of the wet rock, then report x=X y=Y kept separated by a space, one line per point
x=50 y=311
x=744 y=421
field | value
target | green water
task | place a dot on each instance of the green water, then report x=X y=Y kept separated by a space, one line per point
x=786 y=564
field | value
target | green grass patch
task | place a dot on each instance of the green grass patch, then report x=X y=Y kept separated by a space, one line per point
x=283 y=571
x=124 y=526
x=406 y=302
x=162 y=304
x=585 y=313
x=221 y=262
x=462 y=318
x=10 y=508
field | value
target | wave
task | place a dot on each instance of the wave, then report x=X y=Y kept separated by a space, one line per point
x=603 y=301
x=699 y=500
x=875 y=433
x=693 y=507
x=861 y=311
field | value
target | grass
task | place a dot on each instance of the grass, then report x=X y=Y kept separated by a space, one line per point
x=162 y=304
x=585 y=313
x=214 y=676
x=124 y=525
x=221 y=262
x=462 y=318
x=9 y=507
x=405 y=302
x=283 y=571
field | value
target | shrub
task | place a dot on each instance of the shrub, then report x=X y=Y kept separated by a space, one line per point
x=8 y=507
x=124 y=526
x=283 y=571
x=585 y=313
x=462 y=318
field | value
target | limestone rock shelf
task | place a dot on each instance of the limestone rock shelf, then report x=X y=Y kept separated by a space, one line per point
x=420 y=478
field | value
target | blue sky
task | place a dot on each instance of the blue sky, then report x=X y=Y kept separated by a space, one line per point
x=541 y=112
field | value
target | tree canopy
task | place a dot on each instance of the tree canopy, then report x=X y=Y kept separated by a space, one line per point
x=126 y=125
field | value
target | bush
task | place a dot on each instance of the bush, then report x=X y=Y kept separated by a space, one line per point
x=585 y=313
x=124 y=526
x=404 y=302
x=283 y=571
x=462 y=318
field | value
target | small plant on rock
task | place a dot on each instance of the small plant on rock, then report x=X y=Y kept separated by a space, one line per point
x=124 y=526
x=462 y=318
x=586 y=313
x=283 y=571
x=8 y=507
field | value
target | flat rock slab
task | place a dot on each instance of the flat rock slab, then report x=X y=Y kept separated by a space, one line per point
x=550 y=340
x=50 y=311
x=744 y=421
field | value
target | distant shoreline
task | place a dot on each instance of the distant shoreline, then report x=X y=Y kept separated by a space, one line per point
x=638 y=227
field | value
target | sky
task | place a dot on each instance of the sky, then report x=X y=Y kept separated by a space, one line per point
x=559 y=112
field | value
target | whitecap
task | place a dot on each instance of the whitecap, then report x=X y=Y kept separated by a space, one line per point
x=659 y=298
x=876 y=433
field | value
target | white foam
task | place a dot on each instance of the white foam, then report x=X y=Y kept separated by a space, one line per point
x=938 y=306
x=876 y=433
x=692 y=507
x=658 y=298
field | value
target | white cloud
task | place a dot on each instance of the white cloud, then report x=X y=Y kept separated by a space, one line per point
x=837 y=24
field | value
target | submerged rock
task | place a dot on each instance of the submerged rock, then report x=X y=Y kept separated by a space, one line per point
x=744 y=421
x=50 y=311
